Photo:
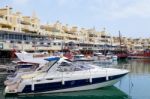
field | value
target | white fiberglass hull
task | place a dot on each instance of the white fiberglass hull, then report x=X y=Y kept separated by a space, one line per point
x=88 y=87
x=69 y=86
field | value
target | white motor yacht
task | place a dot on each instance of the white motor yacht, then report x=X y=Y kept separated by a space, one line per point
x=61 y=75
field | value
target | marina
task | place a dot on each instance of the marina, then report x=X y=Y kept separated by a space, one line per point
x=127 y=88
x=80 y=55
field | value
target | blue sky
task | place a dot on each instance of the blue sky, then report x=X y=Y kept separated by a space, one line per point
x=131 y=17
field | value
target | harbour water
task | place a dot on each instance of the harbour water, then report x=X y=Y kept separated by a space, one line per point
x=135 y=85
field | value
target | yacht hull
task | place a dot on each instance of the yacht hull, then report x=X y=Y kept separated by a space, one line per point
x=87 y=87
x=69 y=86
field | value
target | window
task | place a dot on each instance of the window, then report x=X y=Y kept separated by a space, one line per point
x=49 y=43
x=34 y=43
x=19 y=42
x=6 y=18
x=54 y=43
x=11 y=41
x=65 y=64
x=27 y=42
x=59 y=43
x=47 y=66
x=41 y=43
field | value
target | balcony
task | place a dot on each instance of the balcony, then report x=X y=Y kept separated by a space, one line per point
x=26 y=21
x=46 y=27
x=28 y=28
x=5 y=23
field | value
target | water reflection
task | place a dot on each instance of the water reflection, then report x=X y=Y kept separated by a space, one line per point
x=136 y=66
x=136 y=83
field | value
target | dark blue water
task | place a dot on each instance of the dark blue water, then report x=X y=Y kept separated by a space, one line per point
x=135 y=85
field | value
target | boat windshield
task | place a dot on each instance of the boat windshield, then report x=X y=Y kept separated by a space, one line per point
x=68 y=66
x=47 y=66
x=83 y=66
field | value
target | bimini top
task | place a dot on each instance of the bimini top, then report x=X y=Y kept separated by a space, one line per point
x=53 y=58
